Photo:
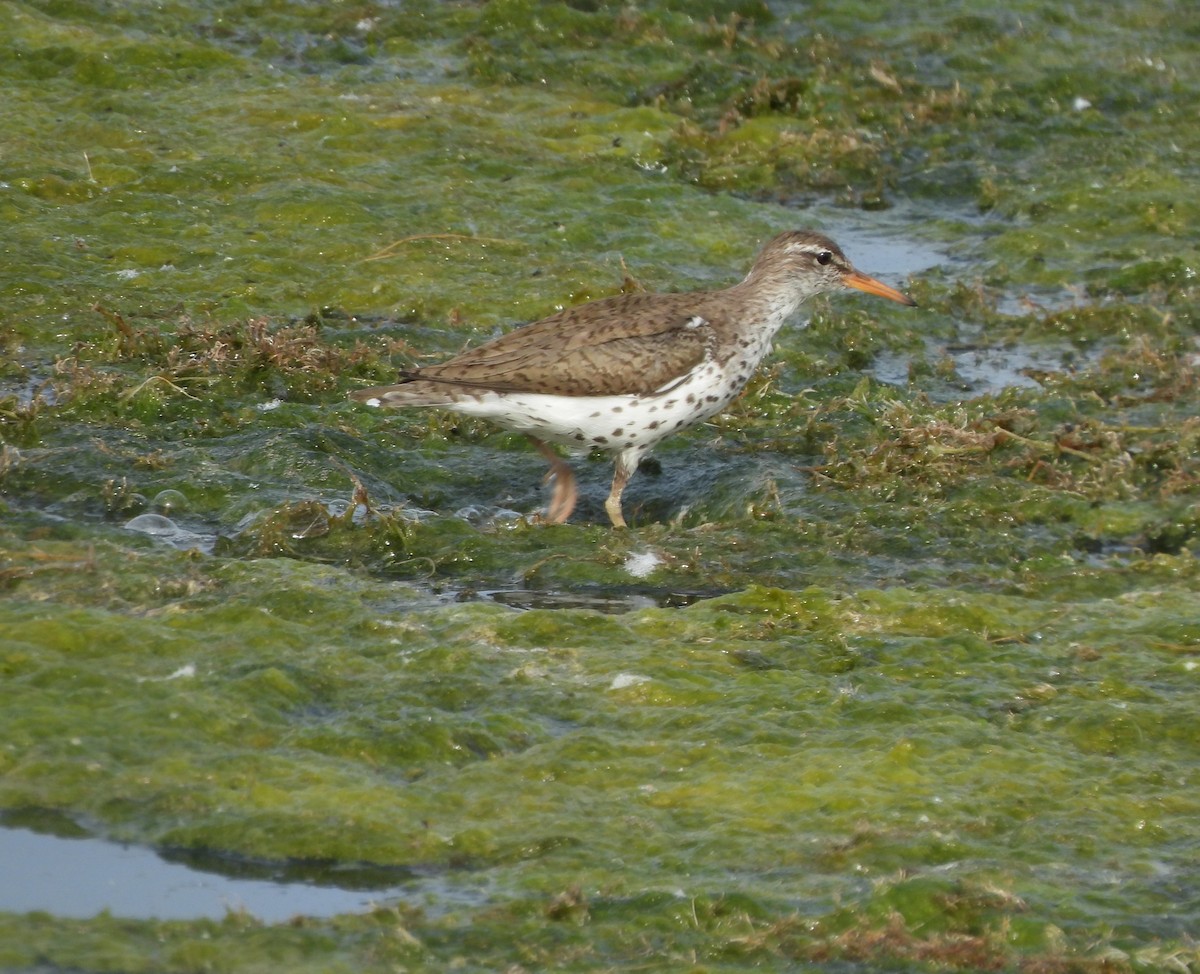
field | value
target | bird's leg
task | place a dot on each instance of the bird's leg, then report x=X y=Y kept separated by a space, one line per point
x=627 y=463
x=562 y=501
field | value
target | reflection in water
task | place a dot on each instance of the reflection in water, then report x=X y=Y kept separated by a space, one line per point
x=81 y=877
x=612 y=601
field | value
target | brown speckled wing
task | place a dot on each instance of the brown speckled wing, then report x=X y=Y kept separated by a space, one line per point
x=625 y=345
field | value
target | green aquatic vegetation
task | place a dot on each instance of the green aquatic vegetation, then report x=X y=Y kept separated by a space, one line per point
x=311 y=707
x=939 y=636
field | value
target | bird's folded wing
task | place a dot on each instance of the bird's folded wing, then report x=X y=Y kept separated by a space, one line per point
x=623 y=352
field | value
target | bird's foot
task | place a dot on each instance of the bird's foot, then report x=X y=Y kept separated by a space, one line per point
x=566 y=491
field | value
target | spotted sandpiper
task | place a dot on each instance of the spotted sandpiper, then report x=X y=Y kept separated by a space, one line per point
x=623 y=372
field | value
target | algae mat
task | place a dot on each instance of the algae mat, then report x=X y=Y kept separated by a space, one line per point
x=897 y=667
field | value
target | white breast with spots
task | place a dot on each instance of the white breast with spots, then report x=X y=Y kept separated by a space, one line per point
x=617 y=423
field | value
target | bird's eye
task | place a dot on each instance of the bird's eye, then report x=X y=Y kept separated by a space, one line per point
x=824 y=257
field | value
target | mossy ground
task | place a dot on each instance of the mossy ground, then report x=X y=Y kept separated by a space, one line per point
x=932 y=706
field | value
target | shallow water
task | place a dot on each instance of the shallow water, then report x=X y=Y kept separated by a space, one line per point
x=982 y=370
x=896 y=667
x=82 y=877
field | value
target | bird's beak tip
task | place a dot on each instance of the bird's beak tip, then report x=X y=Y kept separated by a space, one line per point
x=862 y=282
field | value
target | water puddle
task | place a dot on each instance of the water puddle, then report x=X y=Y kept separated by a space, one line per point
x=980 y=370
x=883 y=244
x=884 y=249
x=79 y=877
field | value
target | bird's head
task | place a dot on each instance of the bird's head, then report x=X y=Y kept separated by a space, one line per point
x=812 y=263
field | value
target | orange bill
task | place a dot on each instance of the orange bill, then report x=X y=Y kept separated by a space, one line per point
x=856 y=279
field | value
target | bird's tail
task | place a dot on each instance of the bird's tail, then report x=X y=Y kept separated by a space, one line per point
x=410 y=391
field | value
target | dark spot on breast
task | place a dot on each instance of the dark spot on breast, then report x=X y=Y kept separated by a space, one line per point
x=580 y=437
x=599 y=439
x=713 y=398
x=618 y=432
x=628 y=444
x=653 y=426
x=617 y=409
x=691 y=397
x=595 y=415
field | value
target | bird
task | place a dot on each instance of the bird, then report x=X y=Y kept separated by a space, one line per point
x=622 y=373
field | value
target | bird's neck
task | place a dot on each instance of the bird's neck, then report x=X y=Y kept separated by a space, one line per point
x=769 y=298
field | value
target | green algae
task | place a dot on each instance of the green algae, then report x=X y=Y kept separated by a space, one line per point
x=941 y=716
x=319 y=722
